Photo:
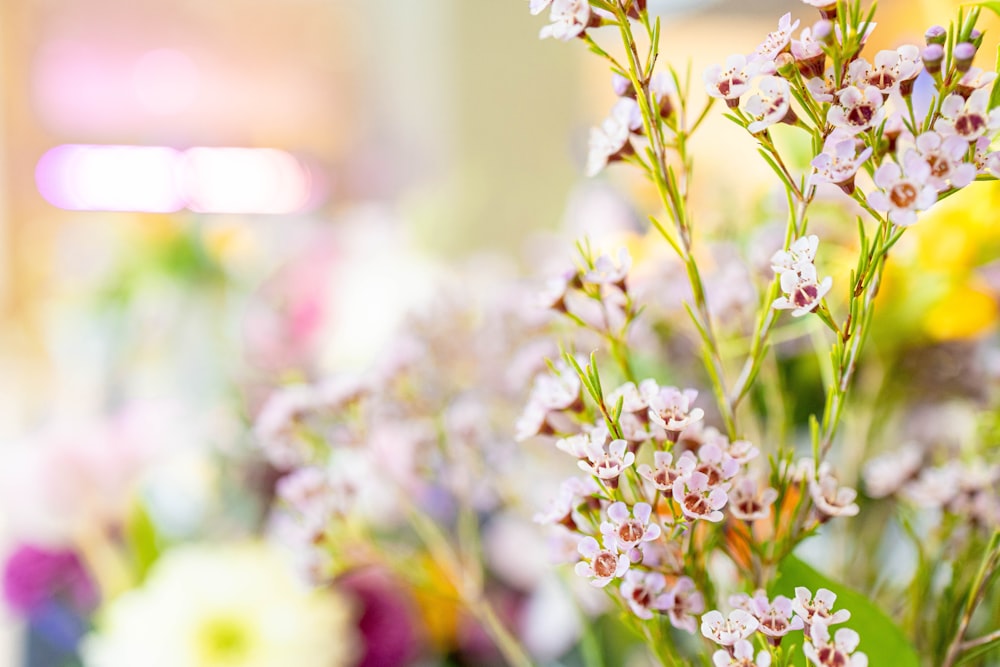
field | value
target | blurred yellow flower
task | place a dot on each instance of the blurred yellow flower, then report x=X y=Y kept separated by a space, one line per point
x=967 y=310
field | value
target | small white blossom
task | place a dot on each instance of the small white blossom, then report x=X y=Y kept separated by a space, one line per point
x=968 y=118
x=802 y=291
x=627 y=530
x=572 y=492
x=770 y=105
x=776 y=41
x=903 y=191
x=823 y=88
x=671 y=409
x=776 y=616
x=730 y=81
x=683 y=603
x=840 y=160
x=819 y=609
x=611 y=139
x=946 y=159
x=822 y=653
x=886 y=474
x=748 y=503
x=975 y=79
x=632 y=400
x=858 y=108
x=986 y=161
x=600 y=565
x=697 y=499
x=742 y=656
x=645 y=592
x=802 y=251
x=608 y=272
x=663 y=475
x=727 y=631
x=890 y=70
x=830 y=499
x=607 y=462
x=569 y=18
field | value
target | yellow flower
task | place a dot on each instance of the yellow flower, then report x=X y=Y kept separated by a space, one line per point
x=967 y=310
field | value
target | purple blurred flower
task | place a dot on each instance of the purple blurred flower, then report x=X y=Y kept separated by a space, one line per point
x=34 y=576
x=387 y=621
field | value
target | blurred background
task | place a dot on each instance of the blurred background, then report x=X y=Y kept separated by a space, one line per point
x=195 y=196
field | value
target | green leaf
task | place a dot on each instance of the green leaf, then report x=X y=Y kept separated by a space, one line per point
x=141 y=538
x=995 y=93
x=881 y=638
x=991 y=5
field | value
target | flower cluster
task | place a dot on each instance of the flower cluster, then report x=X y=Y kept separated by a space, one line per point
x=774 y=619
x=803 y=292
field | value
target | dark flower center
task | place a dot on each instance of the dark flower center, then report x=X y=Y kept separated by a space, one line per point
x=631 y=531
x=969 y=124
x=605 y=564
x=696 y=503
x=903 y=195
x=861 y=115
x=805 y=295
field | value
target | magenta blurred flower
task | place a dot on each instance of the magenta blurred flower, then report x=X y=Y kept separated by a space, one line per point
x=34 y=576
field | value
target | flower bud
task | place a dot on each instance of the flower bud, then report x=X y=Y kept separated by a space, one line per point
x=936 y=35
x=785 y=65
x=976 y=37
x=622 y=86
x=963 y=54
x=932 y=56
x=822 y=31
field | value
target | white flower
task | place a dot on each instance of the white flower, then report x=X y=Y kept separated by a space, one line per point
x=600 y=565
x=838 y=654
x=611 y=139
x=886 y=474
x=310 y=493
x=663 y=476
x=727 y=631
x=946 y=159
x=975 y=79
x=770 y=105
x=986 y=161
x=632 y=400
x=730 y=81
x=823 y=88
x=890 y=70
x=697 y=499
x=607 y=462
x=819 y=609
x=568 y=19
x=572 y=492
x=968 y=118
x=839 y=161
x=607 y=272
x=683 y=603
x=903 y=191
x=670 y=408
x=644 y=592
x=830 y=499
x=223 y=606
x=776 y=41
x=802 y=291
x=775 y=616
x=749 y=503
x=714 y=462
x=538 y=6
x=627 y=530
x=802 y=251
x=858 y=108
x=742 y=656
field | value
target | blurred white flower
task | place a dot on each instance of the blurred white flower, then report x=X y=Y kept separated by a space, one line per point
x=222 y=606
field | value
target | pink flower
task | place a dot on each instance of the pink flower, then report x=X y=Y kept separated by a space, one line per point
x=858 y=108
x=697 y=499
x=819 y=609
x=742 y=656
x=683 y=603
x=749 y=503
x=770 y=105
x=600 y=565
x=569 y=18
x=890 y=70
x=968 y=118
x=644 y=592
x=572 y=492
x=715 y=463
x=808 y=51
x=838 y=654
x=776 y=41
x=632 y=400
x=903 y=191
x=886 y=474
x=627 y=530
x=823 y=88
x=727 y=631
x=775 y=616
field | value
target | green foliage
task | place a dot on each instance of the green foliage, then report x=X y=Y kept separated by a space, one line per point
x=881 y=638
